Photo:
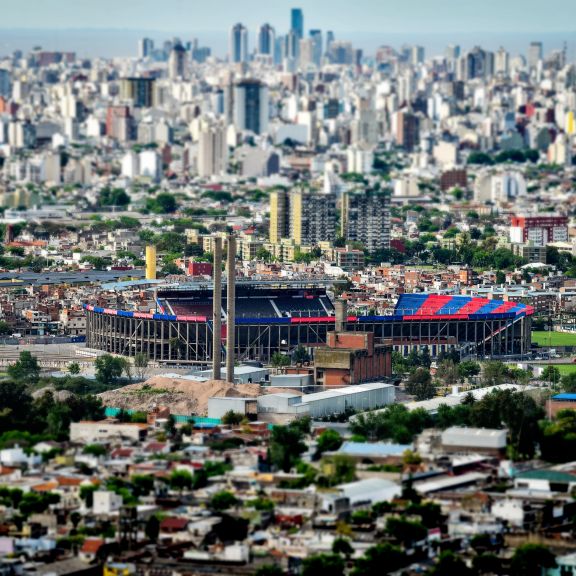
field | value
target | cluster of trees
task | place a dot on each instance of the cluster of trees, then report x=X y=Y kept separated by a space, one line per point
x=514 y=410
x=163 y=203
x=518 y=156
x=27 y=502
x=113 y=197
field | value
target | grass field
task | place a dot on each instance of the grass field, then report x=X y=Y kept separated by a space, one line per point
x=565 y=369
x=554 y=339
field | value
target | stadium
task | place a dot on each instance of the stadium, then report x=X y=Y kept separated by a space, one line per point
x=278 y=316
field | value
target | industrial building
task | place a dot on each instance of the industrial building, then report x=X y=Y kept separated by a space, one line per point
x=477 y=440
x=286 y=406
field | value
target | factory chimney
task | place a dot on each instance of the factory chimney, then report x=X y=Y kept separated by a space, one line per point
x=150 y=262
x=231 y=309
x=341 y=310
x=217 y=311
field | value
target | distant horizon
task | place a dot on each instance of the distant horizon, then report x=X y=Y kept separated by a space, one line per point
x=122 y=41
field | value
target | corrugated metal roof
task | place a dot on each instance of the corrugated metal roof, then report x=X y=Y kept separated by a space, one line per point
x=346 y=391
x=550 y=475
x=373 y=449
x=565 y=396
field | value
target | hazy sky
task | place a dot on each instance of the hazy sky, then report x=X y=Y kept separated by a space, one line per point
x=399 y=16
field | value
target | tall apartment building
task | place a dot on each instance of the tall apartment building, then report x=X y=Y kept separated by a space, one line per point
x=366 y=218
x=119 y=123
x=251 y=106
x=139 y=90
x=538 y=229
x=312 y=217
x=279 y=215
x=306 y=217
x=408 y=130
x=212 y=150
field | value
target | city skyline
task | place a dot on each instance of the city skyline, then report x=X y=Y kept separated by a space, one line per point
x=413 y=16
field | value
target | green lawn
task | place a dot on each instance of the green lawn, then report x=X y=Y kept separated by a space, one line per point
x=565 y=369
x=554 y=339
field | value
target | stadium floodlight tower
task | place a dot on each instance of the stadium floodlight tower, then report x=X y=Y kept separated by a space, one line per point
x=217 y=311
x=231 y=309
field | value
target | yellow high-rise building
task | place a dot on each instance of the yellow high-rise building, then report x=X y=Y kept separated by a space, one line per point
x=570 y=128
x=279 y=215
x=150 y=262
x=296 y=204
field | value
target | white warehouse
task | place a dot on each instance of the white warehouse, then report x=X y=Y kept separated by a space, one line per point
x=359 y=397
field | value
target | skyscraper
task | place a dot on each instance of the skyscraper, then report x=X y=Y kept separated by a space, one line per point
x=316 y=37
x=177 y=62
x=251 y=106
x=535 y=54
x=366 y=218
x=329 y=40
x=297 y=22
x=145 y=48
x=266 y=40
x=239 y=43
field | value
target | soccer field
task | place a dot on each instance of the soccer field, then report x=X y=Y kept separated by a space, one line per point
x=554 y=339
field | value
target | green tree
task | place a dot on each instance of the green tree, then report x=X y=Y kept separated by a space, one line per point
x=494 y=372
x=26 y=369
x=300 y=355
x=223 y=501
x=531 y=559
x=181 y=480
x=232 y=418
x=95 y=450
x=87 y=494
x=379 y=559
x=448 y=564
x=448 y=373
x=141 y=365
x=551 y=374
x=487 y=564
x=58 y=421
x=164 y=203
x=405 y=531
x=286 y=445
x=325 y=564
x=279 y=360
x=269 y=570
x=5 y=329
x=142 y=484
x=569 y=382
x=109 y=369
x=74 y=368
x=468 y=369
x=420 y=384
x=329 y=441
x=342 y=546
x=113 y=197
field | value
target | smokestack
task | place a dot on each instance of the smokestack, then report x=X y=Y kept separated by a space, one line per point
x=150 y=262
x=341 y=310
x=217 y=311
x=231 y=309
